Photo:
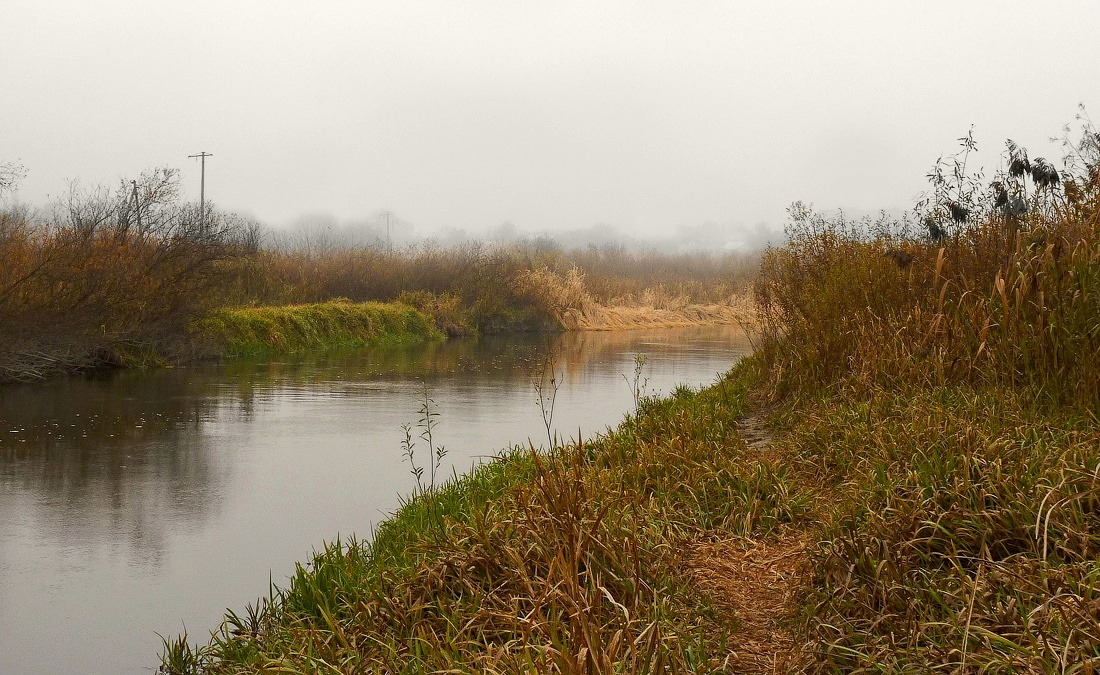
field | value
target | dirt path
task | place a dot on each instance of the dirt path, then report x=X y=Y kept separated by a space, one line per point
x=755 y=582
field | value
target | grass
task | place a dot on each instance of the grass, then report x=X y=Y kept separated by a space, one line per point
x=256 y=330
x=963 y=531
x=929 y=499
x=490 y=288
x=571 y=561
x=941 y=387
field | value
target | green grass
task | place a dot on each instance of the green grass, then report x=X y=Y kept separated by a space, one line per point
x=291 y=328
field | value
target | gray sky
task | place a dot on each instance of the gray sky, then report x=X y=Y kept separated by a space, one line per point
x=552 y=115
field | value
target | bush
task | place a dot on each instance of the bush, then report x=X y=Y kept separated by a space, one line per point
x=107 y=278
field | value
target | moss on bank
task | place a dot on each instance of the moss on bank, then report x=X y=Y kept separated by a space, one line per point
x=290 y=328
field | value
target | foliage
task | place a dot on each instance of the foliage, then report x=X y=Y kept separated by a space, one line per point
x=487 y=288
x=107 y=278
x=1011 y=299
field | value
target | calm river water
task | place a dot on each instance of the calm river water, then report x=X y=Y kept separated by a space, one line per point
x=144 y=503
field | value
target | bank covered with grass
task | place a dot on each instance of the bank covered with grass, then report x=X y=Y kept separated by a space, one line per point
x=290 y=328
x=572 y=560
x=904 y=478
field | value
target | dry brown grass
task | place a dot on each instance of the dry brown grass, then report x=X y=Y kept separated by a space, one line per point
x=510 y=287
x=107 y=278
x=939 y=390
x=567 y=298
x=599 y=317
x=755 y=583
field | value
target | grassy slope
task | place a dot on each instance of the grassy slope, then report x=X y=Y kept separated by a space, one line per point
x=255 y=330
x=571 y=562
x=957 y=520
x=924 y=503
x=963 y=530
x=937 y=436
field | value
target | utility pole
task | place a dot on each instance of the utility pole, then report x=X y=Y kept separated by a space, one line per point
x=137 y=205
x=202 y=190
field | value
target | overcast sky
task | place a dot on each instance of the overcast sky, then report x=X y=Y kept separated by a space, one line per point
x=551 y=115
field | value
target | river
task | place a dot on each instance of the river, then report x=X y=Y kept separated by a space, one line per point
x=137 y=503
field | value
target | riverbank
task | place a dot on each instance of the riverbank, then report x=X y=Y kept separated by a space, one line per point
x=81 y=293
x=903 y=478
x=736 y=312
x=887 y=528
x=536 y=560
x=291 y=328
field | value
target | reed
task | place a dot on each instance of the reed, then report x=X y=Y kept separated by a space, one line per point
x=939 y=381
x=492 y=288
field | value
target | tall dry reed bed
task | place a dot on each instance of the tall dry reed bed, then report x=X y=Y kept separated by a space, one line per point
x=941 y=379
x=982 y=293
x=490 y=287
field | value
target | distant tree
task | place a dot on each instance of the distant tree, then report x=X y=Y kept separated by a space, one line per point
x=10 y=175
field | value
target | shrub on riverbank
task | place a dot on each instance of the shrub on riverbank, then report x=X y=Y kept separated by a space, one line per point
x=255 y=330
x=108 y=278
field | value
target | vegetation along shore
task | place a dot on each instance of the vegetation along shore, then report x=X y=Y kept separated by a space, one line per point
x=286 y=328
x=903 y=478
x=137 y=277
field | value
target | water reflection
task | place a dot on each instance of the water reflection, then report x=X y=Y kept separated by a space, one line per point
x=132 y=501
x=124 y=454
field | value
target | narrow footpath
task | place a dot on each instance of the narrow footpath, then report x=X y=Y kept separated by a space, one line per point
x=755 y=581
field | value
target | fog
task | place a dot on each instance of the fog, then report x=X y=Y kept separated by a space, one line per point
x=691 y=123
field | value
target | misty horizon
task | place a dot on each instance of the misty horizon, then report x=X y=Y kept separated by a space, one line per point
x=556 y=118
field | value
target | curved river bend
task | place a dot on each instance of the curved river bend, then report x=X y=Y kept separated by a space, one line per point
x=144 y=503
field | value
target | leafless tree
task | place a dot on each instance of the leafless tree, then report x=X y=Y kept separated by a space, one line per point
x=10 y=175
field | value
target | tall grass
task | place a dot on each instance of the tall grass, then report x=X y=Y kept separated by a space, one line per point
x=1004 y=299
x=941 y=379
x=490 y=288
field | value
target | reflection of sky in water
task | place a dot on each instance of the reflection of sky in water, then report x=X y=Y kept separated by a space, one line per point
x=136 y=501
